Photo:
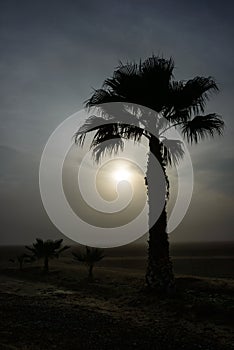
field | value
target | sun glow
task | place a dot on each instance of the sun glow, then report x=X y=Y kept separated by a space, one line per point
x=121 y=175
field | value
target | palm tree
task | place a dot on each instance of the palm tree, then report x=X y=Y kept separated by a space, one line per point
x=47 y=250
x=179 y=104
x=21 y=259
x=90 y=258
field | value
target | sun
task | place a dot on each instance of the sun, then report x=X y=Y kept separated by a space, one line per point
x=121 y=175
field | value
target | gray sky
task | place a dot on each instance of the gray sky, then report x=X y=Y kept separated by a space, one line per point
x=54 y=52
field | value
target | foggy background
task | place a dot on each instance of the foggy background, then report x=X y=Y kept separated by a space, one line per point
x=52 y=55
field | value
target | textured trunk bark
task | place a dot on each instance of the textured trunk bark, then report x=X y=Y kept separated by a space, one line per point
x=159 y=274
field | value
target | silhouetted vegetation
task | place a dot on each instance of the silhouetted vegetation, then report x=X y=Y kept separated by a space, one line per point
x=47 y=250
x=21 y=259
x=90 y=257
x=179 y=104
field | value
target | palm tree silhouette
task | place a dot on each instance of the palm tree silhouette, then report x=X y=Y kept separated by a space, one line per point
x=90 y=258
x=21 y=259
x=47 y=250
x=182 y=105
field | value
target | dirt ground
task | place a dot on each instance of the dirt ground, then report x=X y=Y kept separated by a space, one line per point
x=65 y=310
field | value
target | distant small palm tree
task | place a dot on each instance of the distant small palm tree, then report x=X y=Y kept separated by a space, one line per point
x=90 y=257
x=47 y=250
x=21 y=259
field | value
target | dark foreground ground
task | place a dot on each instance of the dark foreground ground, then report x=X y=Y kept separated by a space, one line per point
x=63 y=310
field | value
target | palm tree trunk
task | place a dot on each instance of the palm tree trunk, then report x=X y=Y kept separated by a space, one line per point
x=46 y=263
x=159 y=274
x=91 y=271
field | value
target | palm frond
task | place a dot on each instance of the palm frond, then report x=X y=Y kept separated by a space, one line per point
x=30 y=248
x=203 y=126
x=144 y=83
x=47 y=248
x=121 y=113
x=56 y=244
x=63 y=249
x=172 y=151
x=90 y=256
x=120 y=75
x=158 y=67
x=101 y=96
x=156 y=75
x=107 y=146
x=132 y=132
x=39 y=242
x=109 y=138
x=91 y=124
x=124 y=83
x=119 y=116
x=189 y=97
x=105 y=132
x=78 y=256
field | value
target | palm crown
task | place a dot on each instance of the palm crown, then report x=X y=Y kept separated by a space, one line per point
x=150 y=84
x=47 y=249
x=90 y=257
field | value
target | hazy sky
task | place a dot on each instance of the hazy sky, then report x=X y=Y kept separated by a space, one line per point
x=54 y=52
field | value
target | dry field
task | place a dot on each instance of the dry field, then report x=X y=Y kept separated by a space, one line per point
x=65 y=310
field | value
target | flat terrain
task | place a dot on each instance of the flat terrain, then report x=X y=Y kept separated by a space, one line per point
x=65 y=310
